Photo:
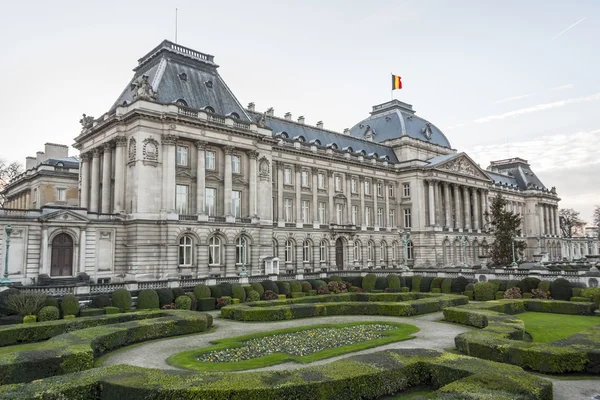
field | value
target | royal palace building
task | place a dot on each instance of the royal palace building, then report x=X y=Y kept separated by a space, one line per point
x=178 y=179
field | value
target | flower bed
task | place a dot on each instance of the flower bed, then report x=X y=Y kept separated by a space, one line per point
x=365 y=376
x=393 y=304
x=299 y=344
x=501 y=338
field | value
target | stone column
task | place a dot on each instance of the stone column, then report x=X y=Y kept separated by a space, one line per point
x=280 y=216
x=557 y=221
x=476 y=225
x=439 y=211
x=201 y=180
x=95 y=188
x=119 y=200
x=551 y=220
x=386 y=196
x=85 y=181
x=543 y=219
x=82 y=247
x=44 y=252
x=106 y=179
x=375 y=206
x=168 y=145
x=227 y=178
x=348 y=200
x=447 y=207
x=298 y=183
x=330 y=193
x=314 y=172
x=361 y=216
x=467 y=205
x=458 y=223
x=252 y=177
x=431 y=182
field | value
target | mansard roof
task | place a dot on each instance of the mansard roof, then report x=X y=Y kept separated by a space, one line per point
x=514 y=171
x=179 y=74
x=310 y=134
x=67 y=162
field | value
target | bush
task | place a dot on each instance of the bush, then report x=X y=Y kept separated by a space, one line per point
x=70 y=305
x=485 y=291
x=426 y=284
x=22 y=303
x=147 y=299
x=192 y=297
x=511 y=284
x=226 y=288
x=356 y=281
x=202 y=291
x=269 y=295
x=258 y=288
x=271 y=286
x=323 y=290
x=416 y=283
x=28 y=319
x=469 y=293
x=48 y=313
x=447 y=285
x=544 y=285
x=499 y=295
x=337 y=287
x=335 y=278
x=560 y=289
x=381 y=283
x=405 y=289
x=183 y=303
x=513 y=293
x=368 y=282
x=306 y=287
x=4 y=310
x=111 y=310
x=295 y=286
x=100 y=301
x=470 y=286
x=52 y=301
x=528 y=284
x=252 y=296
x=206 y=304
x=393 y=281
x=121 y=298
x=596 y=299
x=436 y=283
x=238 y=292
x=541 y=294
x=580 y=299
x=91 y=312
x=312 y=292
x=528 y=295
x=590 y=292
x=459 y=284
x=215 y=291
x=320 y=283
x=178 y=292
x=576 y=292
x=284 y=288
x=165 y=296
x=223 y=301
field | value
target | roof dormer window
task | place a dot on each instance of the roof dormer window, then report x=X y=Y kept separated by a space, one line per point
x=234 y=115
x=332 y=146
x=300 y=138
x=209 y=109
x=316 y=142
x=181 y=102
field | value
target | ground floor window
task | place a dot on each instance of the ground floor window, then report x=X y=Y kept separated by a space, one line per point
x=185 y=251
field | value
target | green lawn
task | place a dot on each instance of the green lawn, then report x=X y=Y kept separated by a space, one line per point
x=546 y=327
x=248 y=352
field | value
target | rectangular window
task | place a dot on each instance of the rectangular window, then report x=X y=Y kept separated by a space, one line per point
x=339 y=210
x=367 y=187
x=354 y=214
x=305 y=181
x=391 y=190
x=181 y=199
x=35 y=195
x=380 y=217
x=182 y=156
x=368 y=216
x=407 y=218
x=392 y=218
x=321 y=212
x=379 y=189
x=236 y=203
x=61 y=194
x=338 y=183
x=210 y=205
x=287 y=210
x=353 y=185
x=287 y=176
x=210 y=160
x=305 y=210
x=236 y=164
x=406 y=189
x=321 y=179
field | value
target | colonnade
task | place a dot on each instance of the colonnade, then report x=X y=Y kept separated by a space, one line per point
x=548 y=218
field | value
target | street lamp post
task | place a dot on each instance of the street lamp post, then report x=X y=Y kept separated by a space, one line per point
x=5 y=280
x=514 y=261
x=243 y=274
x=463 y=241
x=405 y=237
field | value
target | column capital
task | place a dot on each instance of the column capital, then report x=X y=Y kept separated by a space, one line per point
x=228 y=150
x=107 y=147
x=253 y=154
x=168 y=139
x=121 y=141
x=314 y=170
x=200 y=144
x=446 y=184
x=85 y=157
x=96 y=152
x=297 y=168
x=329 y=173
x=279 y=164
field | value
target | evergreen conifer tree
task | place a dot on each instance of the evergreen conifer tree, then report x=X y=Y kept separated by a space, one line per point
x=504 y=225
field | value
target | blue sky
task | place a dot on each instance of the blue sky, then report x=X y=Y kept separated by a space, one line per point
x=500 y=79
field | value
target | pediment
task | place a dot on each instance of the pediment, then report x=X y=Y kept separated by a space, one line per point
x=64 y=216
x=213 y=176
x=184 y=172
x=238 y=179
x=463 y=165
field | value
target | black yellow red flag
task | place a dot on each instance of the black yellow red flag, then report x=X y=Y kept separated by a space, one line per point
x=396 y=82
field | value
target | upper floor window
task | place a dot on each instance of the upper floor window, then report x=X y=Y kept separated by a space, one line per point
x=321 y=212
x=181 y=199
x=323 y=251
x=61 y=194
x=407 y=218
x=339 y=210
x=321 y=181
x=379 y=189
x=368 y=216
x=185 y=251
x=305 y=210
x=338 y=183
x=182 y=156
x=287 y=210
x=287 y=176
x=409 y=251
x=235 y=164
x=392 y=218
x=370 y=251
x=406 y=189
x=211 y=201
x=353 y=185
x=391 y=191
x=367 y=187
x=305 y=179
x=380 y=217
x=210 y=160
x=354 y=214
x=236 y=203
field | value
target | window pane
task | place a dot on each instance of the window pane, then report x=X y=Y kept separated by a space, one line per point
x=235 y=164
x=182 y=155
x=181 y=199
x=236 y=203
x=211 y=201
x=210 y=160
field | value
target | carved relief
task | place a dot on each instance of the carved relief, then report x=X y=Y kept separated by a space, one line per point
x=132 y=149
x=461 y=166
x=142 y=89
x=264 y=169
x=121 y=141
x=426 y=131
x=169 y=140
x=200 y=144
x=253 y=154
x=86 y=121
x=150 y=150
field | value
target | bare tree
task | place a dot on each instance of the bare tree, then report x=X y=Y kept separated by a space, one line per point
x=8 y=171
x=569 y=221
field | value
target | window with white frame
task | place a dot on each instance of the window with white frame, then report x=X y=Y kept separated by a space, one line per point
x=338 y=183
x=367 y=187
x=185 y=251
x=275 y=248
x=305 y=181
x=182 y=156
x=380 y=217
x=407 y=218
x=354 y=215
x=339 y=210
x=305 y=210
x=181 y=199
x=61 y=194
x=236 y=203
x=368 y=216
x=306 y=251
x=353 y=185
x=409 y=251
x=370 y=251
x=321 y=181
x=391 y=190
x=382 y=251
x=379 y=189
x=392 y=218
x=322 y=212
x=210 y=159
x=394 y=251
x=356 y=251
x=287 y=210
x=323 y=251
x=406 y=189
x=287 y=176
x=236 y=163
x=289 y=250
x=210 y=202
x=241 y=251
x=214 y=251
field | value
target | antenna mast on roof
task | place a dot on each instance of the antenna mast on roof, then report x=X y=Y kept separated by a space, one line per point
x=175 y=25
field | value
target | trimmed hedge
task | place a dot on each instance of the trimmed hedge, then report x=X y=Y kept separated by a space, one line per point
x=436 y=283
x=296 y=286
x=90 y=312
x=70 y=305
x=528 y=284
x=202 y=291
x=238 y=292
x=147 y=299
x=560 y=289
x=393 y=281
x=485 y=291
x=416 y=283
x=544 y=285
x=258 y=287
x=447 y=285
x=226 y=288
x=368 y=282
x=111 y=310
x=306 y=287
x=50 y=301
x=356 y=281
x=272 y=286
x=215 y=291
x=48 y=313
x=100 y=301
x=426 y=284
x=121 y=298
x=253 y=295
x=459 y=284
x=206 y=304
x=165 y=296
x=284 y=288
x=381 y=283
x=183 y=303
x=177 y=292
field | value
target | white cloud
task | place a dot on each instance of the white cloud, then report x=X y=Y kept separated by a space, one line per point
x=539 y=107
x=513 y=98
x=563 y=87
x=572 y=26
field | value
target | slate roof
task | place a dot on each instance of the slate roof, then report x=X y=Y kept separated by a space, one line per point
x=68 y=162
x=516 y=172
x=442 y=159
x=394 y=119
x=325 y=137
x=177 y=72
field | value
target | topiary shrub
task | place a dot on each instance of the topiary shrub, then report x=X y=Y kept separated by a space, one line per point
x=100 y=301
x=356 y=281
x=580 y=299
x=541 y=294
x=202 y=291
x=381 y=283
x=121 y=298
x=4 y=310
x=436 y=283
x=215 y=291
x=511 y=284
x=29 y=319
x=253 y=296
x=368 y=282
x=268 y=284
x=544 y=285
x=270 y=295
x=393 y=281
x=227 y=289
x=48 y=313
x=485 y=291
x=405 y=289
x=468 y=293
x=147 y=299
x=178 y=292
x=426 y=284
x=295 y=286
x=238 y=292
x=206 y=304
x=560 y=289
x=335 y=278
x=596 y=299
x=306 y=287
x=513 y=293
x=111 y=310
x=284 y=288
x=447 y=285
x=91 y=312
x=165 y=296
x=528 y=284
x=576 y=292
x=323 y=290
x=459 y=284
x=258 y=287
x=70 y=305
x=590 y=292
x=499 y=295
x=470 y=286
x=183 y=303
x=313 y=283
x=192 y=297
x=320 y=283
x=223 y=301
x=416 y=283
x=52 y=301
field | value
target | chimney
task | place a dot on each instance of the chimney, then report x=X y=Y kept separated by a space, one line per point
x=40 y=157
x=301 y=119
x=346 y=131
x=251 y=106
x=270 y=111
x=54 y=150
x=288 y=116
x=30 y=162
x=320 y=124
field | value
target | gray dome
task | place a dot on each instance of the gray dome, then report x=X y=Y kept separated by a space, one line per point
x=394 y=119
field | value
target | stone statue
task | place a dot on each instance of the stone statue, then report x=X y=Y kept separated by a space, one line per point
x=86 y=121
x=262 y=120
x=142 y=89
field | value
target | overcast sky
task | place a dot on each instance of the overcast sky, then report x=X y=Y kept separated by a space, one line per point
x=500 y=79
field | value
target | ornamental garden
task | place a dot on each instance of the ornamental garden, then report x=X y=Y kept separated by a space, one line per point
x=357 y=337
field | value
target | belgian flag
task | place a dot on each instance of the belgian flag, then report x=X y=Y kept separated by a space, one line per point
x=396 y=82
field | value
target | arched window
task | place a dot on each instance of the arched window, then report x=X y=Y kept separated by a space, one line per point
x=475 y=252
x=275 y=248
x=394 y=251
x=382 y=252
x=306 y=251
x=323 y=251
x=447 y=252
x=185 y=251
x=409 y=251
x=234 y=115
x=289 y=250
x=241 y=257
x=457 y=253
x=181 y=102
x=209 y=109
x=370 y=251
x=356 y=250
x=214 y=251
